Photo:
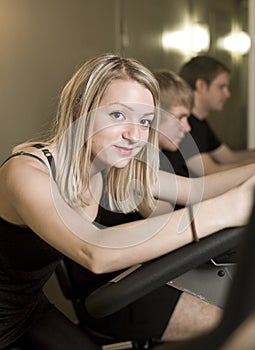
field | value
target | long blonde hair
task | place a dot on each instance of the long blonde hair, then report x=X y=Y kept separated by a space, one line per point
x=74 y=122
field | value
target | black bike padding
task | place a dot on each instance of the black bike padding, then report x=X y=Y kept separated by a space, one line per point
x=113 y=296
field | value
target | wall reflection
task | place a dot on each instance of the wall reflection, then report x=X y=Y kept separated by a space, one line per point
x=146 y=22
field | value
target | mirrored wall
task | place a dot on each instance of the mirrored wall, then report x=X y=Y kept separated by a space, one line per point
x=43 y=42
x=166 y=33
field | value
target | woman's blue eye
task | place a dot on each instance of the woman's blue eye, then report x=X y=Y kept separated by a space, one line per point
x=146 y=122
x=117 y=115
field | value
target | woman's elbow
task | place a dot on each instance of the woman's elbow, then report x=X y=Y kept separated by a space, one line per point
x=98 y=260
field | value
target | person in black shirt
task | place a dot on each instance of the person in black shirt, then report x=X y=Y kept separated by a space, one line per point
x=209 y=79
x=50 y=190
x=176 y=101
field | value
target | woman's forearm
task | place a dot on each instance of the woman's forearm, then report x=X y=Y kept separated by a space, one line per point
x=173 y=231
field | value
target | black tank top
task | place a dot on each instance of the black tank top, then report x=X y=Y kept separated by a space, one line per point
x=26 y=263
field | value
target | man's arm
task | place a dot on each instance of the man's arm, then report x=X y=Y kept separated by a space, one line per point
x=224 y=154
x=223 y=158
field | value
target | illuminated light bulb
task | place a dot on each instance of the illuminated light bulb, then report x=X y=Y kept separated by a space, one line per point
x=195 y=38
x=200 y=38
x=237 y=43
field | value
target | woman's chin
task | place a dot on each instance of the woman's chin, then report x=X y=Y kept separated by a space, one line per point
x=121 y=164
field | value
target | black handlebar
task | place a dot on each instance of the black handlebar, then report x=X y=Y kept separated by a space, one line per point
x=115 y=295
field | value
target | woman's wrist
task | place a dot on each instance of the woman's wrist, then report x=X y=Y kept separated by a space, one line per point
x=192 y=224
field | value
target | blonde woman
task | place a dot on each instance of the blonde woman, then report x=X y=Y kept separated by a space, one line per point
x=107 y=119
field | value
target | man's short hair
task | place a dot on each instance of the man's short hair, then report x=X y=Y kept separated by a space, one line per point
x=202 y=67
x=173 y=90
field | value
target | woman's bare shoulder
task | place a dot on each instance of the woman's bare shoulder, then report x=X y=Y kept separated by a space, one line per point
x=25 y=163
x=22 y=177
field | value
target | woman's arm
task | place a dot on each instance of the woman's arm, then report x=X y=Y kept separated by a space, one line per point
x=185 y=191
x=31 y=196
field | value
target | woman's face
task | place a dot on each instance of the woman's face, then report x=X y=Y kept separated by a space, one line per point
x=122 y=123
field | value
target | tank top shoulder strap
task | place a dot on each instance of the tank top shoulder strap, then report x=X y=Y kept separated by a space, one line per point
x=47 y=154
x=49 y=157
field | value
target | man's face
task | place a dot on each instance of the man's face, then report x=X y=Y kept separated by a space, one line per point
x=216 y=94
x=172 y=129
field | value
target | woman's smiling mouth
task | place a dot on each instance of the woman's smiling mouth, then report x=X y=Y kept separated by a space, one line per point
x=124 y=150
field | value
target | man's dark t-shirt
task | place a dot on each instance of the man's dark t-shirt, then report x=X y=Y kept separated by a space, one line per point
x=201 y=139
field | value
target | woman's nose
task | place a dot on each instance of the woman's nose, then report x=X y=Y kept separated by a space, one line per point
x=131 y=132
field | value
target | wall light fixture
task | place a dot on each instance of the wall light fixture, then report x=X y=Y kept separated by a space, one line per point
x=194 y=38
x=237 y=42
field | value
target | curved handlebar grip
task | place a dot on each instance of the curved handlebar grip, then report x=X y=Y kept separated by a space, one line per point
x=120 y=292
